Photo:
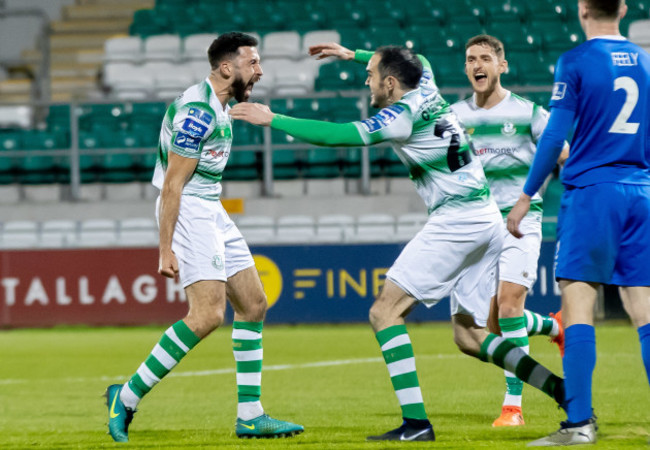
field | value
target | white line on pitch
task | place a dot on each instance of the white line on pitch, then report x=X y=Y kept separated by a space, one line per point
x=203 y=373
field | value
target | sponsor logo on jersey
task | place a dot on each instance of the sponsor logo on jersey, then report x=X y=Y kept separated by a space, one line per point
x=559 y=89
x=382 y=119
x=426 y=84
x=194 y=128
x=496 y=151
x=508 y=129
x=625 y=59
x=201 y=115
x=186 y=141
x=217 y=153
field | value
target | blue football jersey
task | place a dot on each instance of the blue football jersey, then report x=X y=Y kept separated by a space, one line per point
x=606 y=83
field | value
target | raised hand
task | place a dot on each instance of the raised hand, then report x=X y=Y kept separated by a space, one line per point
x=333 y=49
x=255 y=113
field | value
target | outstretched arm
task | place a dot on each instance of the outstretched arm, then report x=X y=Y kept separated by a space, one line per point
x=313 y=131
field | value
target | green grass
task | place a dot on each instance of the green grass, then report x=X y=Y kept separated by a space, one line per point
x=51 y=383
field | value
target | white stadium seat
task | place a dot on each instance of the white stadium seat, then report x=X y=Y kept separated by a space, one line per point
x=319 y=37
x=128 y=81
x=15 y=116
x=291 y=77
x=97 y=233
x=296 y=228
x=334 y=228
x=281 y=44
x=140 y=232
x=639 y=32
x=58 y=233
x=375 y=228
x=19 y=234
x=195 y=46
x=257 y=229
x=409 y=224
x=123 y=49
x=162 y=47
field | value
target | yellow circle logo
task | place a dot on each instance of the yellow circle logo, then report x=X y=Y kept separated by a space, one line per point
x=270 y=276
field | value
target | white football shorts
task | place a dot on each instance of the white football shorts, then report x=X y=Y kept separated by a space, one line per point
x=206 y=242
x=519 y=257
x=453 y=256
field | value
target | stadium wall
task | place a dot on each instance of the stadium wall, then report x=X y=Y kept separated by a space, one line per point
x=304 y=284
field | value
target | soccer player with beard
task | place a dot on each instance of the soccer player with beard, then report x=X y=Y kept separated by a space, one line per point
x=202 y=245
x=504 y=129
x=456 y=252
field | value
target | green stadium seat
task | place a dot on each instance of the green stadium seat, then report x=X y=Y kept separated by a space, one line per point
x=338 y=76
x=548 y=11
x=148 y=22
x=11 y=140
x=347 y=15
x=527 y=41
x=287 y=164
x=7 y=172
x=511 y=77
x=246 y=134
x=322 y=163
x=37 y=170
x=425 y=15
x=39 y=140
x=352 y=162
x=392 y=165
x=450 y=73
x=562 y=40
x=508 y=12
x=540 y=98
x=242 y=165
x=145 y=165
x=117 y=168
x=386 y=15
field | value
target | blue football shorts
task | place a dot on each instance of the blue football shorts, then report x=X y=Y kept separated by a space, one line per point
x=604 y=234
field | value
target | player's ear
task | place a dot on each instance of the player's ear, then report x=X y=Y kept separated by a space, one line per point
x=503 y=66
x=622 y=10
x=226 y=68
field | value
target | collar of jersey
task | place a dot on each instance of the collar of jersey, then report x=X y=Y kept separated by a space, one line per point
x=611 y=37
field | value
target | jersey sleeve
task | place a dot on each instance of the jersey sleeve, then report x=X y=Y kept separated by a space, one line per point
x=538 y=122
x=362 y=56
x=567 y=82
x=392 y=123
x=192 y=125
x=319 y=132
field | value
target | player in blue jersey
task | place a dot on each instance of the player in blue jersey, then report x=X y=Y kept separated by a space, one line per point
x=602 y=87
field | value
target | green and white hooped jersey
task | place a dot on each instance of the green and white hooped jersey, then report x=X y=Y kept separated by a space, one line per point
x=428 y=138
x=505 y=139
x=196 y=126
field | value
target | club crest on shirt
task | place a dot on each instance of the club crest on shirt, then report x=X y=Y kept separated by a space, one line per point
x=559 y=90
x=508 y=129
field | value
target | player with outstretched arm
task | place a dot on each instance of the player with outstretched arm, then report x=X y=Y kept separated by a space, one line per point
x=456 y=252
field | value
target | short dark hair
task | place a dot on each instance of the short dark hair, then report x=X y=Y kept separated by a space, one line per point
x=604 y=9
x=401 y=63
x=227 y=45
x=490 y=41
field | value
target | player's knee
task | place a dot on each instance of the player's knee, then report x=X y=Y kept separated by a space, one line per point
x=508 y=309
x=255 y=308
x=377 y=316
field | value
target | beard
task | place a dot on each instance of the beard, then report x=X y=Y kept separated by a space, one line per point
x=239 y=89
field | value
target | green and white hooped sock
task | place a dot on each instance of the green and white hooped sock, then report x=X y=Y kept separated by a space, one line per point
x=514 y=329
x=247 y=348
x=508 y=356
x=172 y=347
x=538 y=324
x=398 y=353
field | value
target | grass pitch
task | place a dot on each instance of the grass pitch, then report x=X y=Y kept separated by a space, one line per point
x=331 y=379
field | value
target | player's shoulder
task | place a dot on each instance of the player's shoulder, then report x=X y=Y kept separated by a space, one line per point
x=464 y=105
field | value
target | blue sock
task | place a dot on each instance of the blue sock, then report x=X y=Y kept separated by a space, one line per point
x=579 y=362
x=644 y=337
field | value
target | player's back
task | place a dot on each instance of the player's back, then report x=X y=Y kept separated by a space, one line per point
x=606 y=82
